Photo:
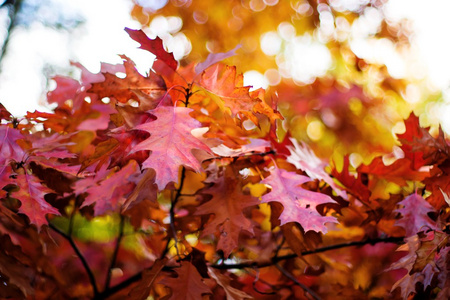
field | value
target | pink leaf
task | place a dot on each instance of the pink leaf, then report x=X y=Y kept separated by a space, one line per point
x=415 y=215
x=31 y=195
x=299 y=204
x=171 y=143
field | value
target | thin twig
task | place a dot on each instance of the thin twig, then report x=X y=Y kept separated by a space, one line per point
x=80 y=256
x=116 y=251
x=277 y=259
x=304 y=287
x=172 y=209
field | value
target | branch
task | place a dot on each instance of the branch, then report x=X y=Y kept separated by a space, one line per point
x=116 y=251
x=172 y=210
x=80 y=256
x=291 y=277
x=276 y=259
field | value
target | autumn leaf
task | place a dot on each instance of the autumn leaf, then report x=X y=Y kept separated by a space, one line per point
x=420 y=147
x=155 y=46
x=187 y=285
x=9 y=149
x=31 y=194
x=353 y=184
x=171 y=143
x=227 y=90
x=224 y=281
x=227 y=205
x=142 y=290
x=299 y=204
x=415 y=215
x=110 y=193
x=148 y=91
x=304 y=159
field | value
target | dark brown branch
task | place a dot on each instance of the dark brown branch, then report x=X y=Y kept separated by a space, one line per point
x=277 y=259
x=80 y=256
x=116 y=251
x=304 y=287
x=172 y=210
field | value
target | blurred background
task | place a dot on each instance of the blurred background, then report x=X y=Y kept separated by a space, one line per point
x=341 y=70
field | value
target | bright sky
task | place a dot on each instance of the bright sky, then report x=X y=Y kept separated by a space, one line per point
x=102 y=37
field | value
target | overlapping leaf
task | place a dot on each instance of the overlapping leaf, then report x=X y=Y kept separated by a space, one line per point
x=299 y=204
x=171 y=143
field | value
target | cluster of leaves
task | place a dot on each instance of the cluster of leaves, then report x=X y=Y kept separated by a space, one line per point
x=205 y=200
x=350 y=106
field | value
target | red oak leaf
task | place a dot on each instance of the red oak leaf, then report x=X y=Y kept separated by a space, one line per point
x=420 y=146
x=227 y=205
x=155 y=46
x=408 y=282
x=9 y=149
x=398 y=172
x=223 y=83
x=171 y=143
x=4 y=113
x=415 y=215
x=31 y=194
x=304 y=158
x=147 y=90
x=188 y=284
x=352 y=184
x=299 y=204
x=224 y=281
x=109 y=194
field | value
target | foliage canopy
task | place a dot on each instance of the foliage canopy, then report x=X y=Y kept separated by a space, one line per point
x=182 y=183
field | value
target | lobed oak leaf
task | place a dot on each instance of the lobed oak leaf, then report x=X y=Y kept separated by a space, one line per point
x=171 y=143
x=420 y=146
x=427 y=271
x=187 y=285
x=227 y=89
x=224 y=281
x=4 y=113
x=9 y=149
x=148 y=91
x=415 y=215
x=109 y=194
x=304 y=159
x=142 y=290
x=299 y=204
x=31 y=194
x=398 y=172
x=227 y=205
x=352 y=184
x=155 y=46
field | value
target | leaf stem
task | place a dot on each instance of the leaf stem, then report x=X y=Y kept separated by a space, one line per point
x=116 y=251
x=80 y=256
